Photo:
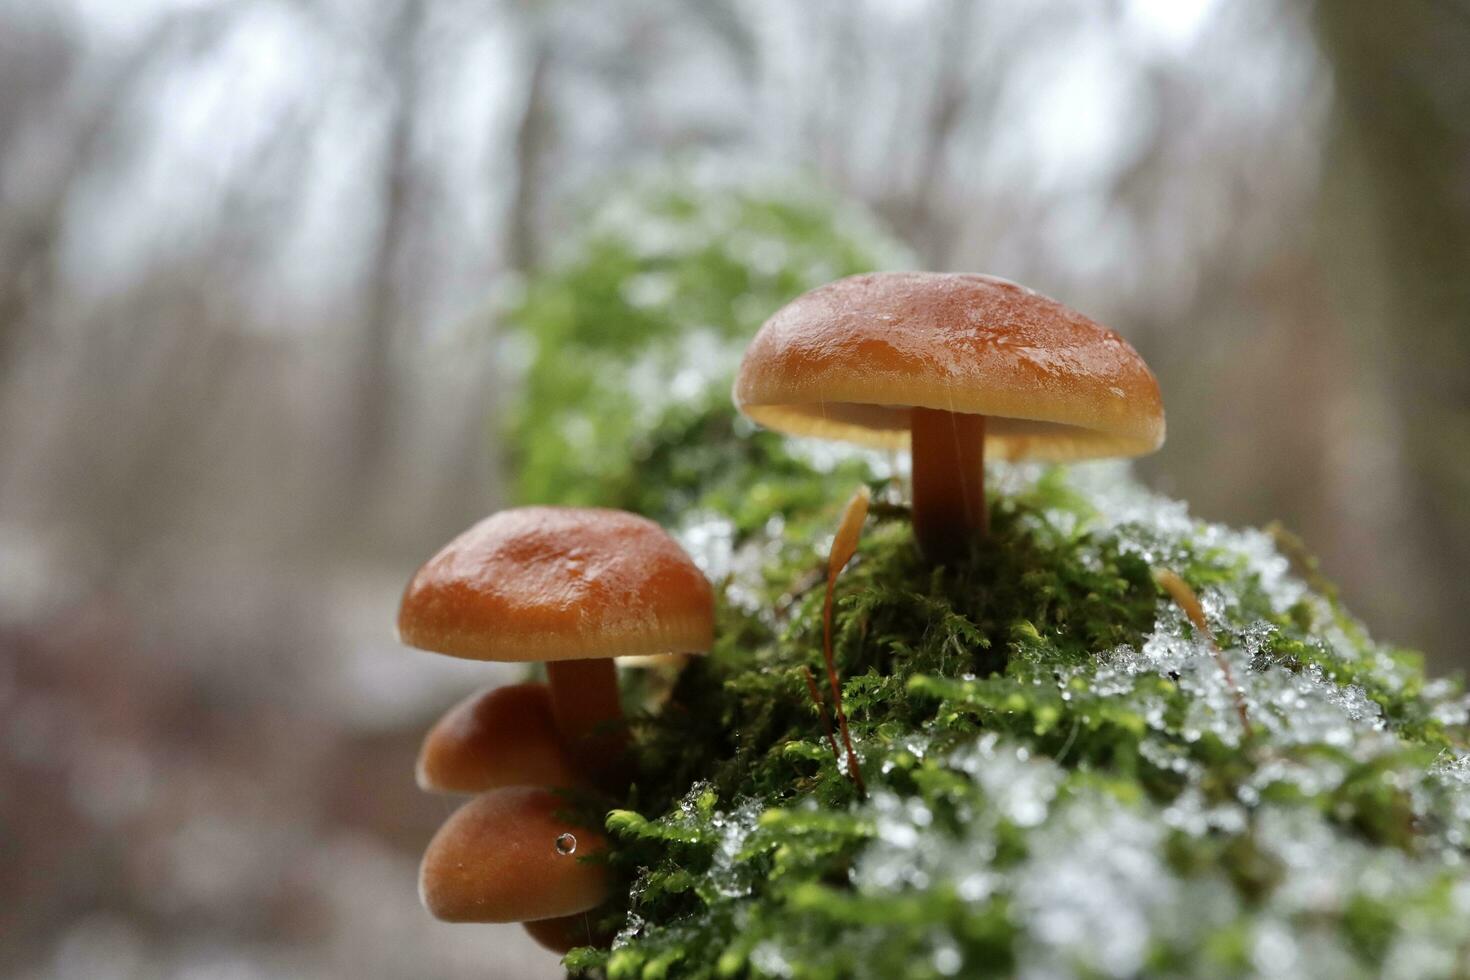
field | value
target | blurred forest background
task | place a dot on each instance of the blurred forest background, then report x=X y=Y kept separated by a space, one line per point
x=257 y=262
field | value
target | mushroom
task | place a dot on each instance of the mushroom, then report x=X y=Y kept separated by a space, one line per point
x=566 y=933
x=573 y=587
x=954 y=366
x=502 y=736
x=508 y=856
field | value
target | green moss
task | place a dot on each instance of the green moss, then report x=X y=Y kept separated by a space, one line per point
x=640 y=326
x=1060 y=782
x=1044 y=683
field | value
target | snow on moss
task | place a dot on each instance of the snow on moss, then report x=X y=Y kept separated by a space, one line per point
x=1061 y=782
x=1060 y=778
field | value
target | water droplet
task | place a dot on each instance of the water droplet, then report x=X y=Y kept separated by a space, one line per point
x=566 y=844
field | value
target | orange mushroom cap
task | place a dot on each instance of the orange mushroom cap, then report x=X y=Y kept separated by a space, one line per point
x=502 y=736
x=507 y=856
x=559 y=583
x=848 y=360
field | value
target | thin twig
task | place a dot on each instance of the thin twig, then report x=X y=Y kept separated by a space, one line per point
x=1187 y=600
x=811 y=688
x=844 y=546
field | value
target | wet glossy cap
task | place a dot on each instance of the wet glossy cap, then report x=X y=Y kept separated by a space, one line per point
x=503 y=736
x=507 y=856
x=849 y=359
x=559 y=583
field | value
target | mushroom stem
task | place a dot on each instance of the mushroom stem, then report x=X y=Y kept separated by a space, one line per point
x=948 y=450
x=589 y=715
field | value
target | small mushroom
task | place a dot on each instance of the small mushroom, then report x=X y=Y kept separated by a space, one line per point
x=573 y=587
x=954 y=366
x=502 y=736
x=566 y=933
x=508 y=856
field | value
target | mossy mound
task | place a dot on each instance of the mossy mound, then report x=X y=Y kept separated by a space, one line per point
x=1059 y=779
x=1059 y=775
x=1064 y=779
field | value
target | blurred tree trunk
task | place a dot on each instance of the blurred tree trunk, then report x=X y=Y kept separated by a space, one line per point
x=33 y=225
x=532 y=142
x=1396 y=237
x=953 y=90
x=373 y=399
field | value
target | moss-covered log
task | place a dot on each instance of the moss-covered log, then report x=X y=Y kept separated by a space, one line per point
x=1064 y=776
x=1060 y=779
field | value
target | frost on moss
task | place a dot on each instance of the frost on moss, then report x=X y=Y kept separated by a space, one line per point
x=1060 y=780
x=641 y=322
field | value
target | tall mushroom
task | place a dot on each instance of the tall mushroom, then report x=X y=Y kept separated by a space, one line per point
x=954 y=366
x=573 y=587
